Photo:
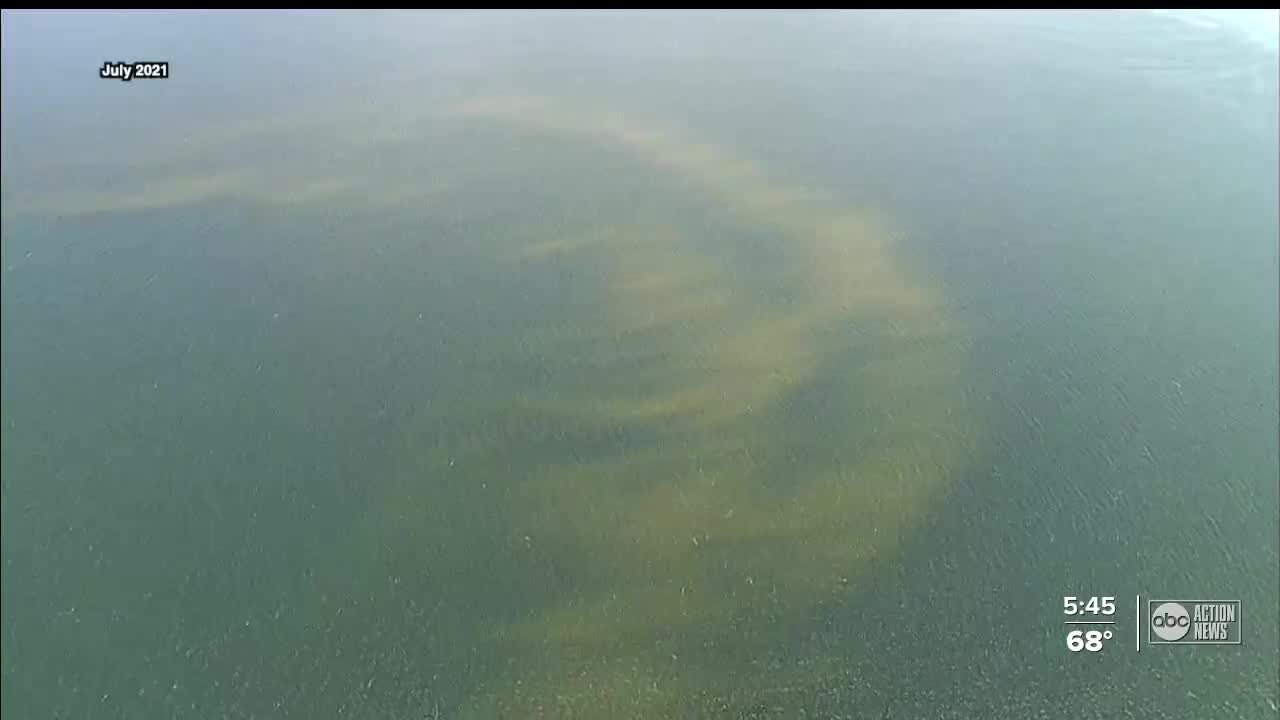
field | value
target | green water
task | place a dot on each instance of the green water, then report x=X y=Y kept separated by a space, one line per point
x=448 y=365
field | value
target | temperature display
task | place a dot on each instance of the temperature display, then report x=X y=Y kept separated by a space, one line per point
x=1090 y=640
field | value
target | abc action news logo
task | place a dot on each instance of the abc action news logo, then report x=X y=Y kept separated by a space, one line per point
x=1193 y=622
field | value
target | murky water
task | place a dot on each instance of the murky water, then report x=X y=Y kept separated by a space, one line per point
x=635 y=365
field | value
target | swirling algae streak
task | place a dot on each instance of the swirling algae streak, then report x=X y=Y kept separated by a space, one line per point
x=696 y=552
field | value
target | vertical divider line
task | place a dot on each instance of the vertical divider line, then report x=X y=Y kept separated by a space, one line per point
x=1137 y=622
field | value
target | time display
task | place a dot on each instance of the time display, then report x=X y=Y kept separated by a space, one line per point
x=1072 y=605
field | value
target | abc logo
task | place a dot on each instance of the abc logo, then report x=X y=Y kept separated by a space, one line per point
x=1171 y=621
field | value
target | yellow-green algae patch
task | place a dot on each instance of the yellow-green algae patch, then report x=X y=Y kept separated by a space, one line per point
x=709 y=448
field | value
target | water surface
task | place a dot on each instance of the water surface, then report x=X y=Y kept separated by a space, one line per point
x=635 y=365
